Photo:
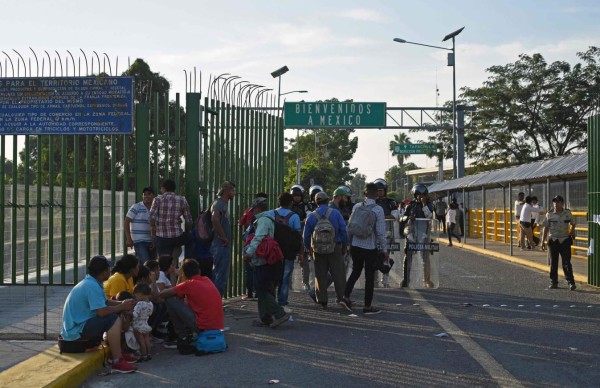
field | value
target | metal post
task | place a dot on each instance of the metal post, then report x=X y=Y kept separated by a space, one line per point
x=460 y=142
x=298 y=167
x=454 y=169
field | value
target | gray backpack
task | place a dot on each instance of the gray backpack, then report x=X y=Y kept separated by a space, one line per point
x=323 y=236
x=362 y=221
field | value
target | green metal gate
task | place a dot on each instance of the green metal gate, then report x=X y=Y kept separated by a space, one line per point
x=594 y=200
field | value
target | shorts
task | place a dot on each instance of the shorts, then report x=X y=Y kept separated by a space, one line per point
x=526 y=224
x=95 y=327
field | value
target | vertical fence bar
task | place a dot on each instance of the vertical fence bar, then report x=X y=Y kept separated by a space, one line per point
x=142 y=148
x=126 y=167
x=88 y=197
x=45 y=311
x=113 y=197
x=38 y=242
x=593 y=183
x=14 y=223
x=63 y=208
x=101 y=172
x=167 y=139
x=76 y=233
x=192 y=149
x=2 y=204
x=155 y=140
x=26 y=212
x=178 y=141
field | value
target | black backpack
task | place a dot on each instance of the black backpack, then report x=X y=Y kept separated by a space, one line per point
x=289 y=240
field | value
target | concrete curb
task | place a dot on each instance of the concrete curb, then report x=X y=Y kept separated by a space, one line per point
x=52 y=369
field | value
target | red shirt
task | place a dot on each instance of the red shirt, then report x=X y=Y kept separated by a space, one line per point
x=204 y=300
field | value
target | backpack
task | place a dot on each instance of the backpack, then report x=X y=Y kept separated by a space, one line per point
x=289 y=240
x=204 y=227
x=323 y=236
x=362 y=221
x=210 y=341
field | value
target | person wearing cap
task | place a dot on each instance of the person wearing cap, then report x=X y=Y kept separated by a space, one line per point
x=332 y=262
x=221 y=244
x=266 y=275
x=88 y=314
x=245 y=222
x=165 y=216
x=559 y=234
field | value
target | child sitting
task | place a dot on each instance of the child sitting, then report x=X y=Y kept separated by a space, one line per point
x=141 y=312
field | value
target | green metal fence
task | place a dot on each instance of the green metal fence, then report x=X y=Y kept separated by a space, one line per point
x=594 y=200
x=63 y=198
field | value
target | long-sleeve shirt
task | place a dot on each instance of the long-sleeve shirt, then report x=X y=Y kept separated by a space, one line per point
x=336 y=219
x=370 y=242
x=265 y=226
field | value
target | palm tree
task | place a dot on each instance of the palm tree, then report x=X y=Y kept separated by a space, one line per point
x=401 y=138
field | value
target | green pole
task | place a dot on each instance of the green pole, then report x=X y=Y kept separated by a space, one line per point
x=142 y=148
x=26 y=215
x=192 y=151
x=75 y=211
x=63 y=210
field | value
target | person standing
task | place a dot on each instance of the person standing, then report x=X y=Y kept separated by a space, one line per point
x=559 y=233
x=221 y=244
x=525 y=222
x=440 y=214
x=451 y=223
x=364 y=251
x=165 y=216
x=326 y=262
x=518 y=207
x=245 y=222
x=137 y=227
x=266 y=275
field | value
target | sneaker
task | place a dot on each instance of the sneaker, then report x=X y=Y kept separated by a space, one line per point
x=122 y=367
x=278 y=321
x=370 y=311
x=170 y=344
x=246 y=297
x=572 y=286
x=129 y=358
x=345 y=303
x=553 y=285
x=287 y=310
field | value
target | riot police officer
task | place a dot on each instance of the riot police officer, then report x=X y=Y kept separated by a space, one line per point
x=312 y=191
x=387 y=203
x=298 y=206
x=419 y=207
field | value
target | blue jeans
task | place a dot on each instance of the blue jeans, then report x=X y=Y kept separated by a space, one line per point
x=284 y=286
x=143 y=251
x=222 y=264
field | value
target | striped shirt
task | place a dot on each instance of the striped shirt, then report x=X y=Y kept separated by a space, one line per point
x=166 y=211
x=379 y=232
x=140 y=227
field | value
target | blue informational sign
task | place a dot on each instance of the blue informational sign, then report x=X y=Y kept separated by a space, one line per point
x=66 y=106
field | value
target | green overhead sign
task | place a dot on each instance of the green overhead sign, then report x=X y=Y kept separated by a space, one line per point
x=408 y=149
x=334 y=114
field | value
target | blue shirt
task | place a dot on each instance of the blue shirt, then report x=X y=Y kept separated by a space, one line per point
x=293 y=222
x=81 y=305
x=336 y=219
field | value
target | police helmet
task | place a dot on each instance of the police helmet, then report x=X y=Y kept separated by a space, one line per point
x=419 y=189
x=297 y=190
x=345 y=188
x=381 y=183
x=314 y=189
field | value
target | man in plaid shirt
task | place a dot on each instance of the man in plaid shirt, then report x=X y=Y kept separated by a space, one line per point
x=165 y=220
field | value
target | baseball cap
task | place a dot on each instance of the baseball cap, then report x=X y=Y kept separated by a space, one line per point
x=257 y=201
x=321 y=196
x=558 y=198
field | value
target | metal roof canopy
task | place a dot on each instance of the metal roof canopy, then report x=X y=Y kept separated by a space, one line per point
x=562 y=166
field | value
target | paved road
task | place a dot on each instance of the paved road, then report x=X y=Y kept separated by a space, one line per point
x=504 y=327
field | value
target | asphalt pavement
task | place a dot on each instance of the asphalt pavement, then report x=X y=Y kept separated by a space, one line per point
x=490 y=323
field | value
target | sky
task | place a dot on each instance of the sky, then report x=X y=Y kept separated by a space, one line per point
x=334 y=49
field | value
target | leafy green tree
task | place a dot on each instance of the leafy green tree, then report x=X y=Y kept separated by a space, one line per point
x=357 y=184
x=396 y=178
x=531 y=110
x=326 y=161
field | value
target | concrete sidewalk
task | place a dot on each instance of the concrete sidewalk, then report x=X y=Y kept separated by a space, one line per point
x=69 y=370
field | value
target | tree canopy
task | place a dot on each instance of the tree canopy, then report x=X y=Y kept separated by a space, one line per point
x=531 y=110
x=326 y=154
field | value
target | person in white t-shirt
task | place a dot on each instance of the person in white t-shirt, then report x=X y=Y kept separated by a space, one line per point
x=167 y=267
x=525 y=223
x=518 y=207
x=451 y=223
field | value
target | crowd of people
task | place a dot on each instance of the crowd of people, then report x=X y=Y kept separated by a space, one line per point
x=149 y=298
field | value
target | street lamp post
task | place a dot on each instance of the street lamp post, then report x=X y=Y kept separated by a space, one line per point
x=451 y=62
x=298 y=162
